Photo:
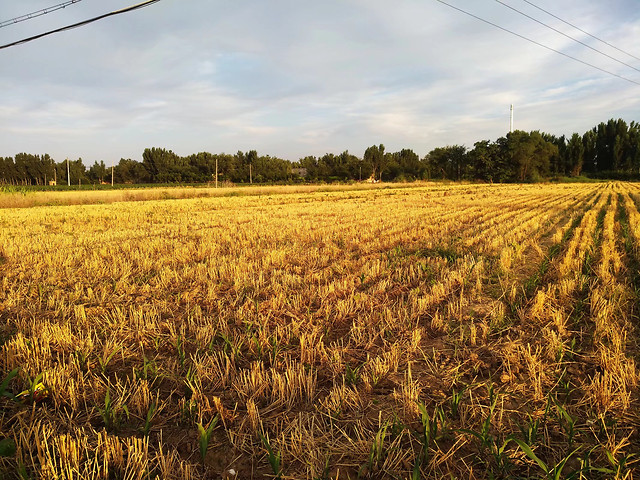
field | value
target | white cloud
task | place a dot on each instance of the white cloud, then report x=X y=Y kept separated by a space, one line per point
x=295 y=78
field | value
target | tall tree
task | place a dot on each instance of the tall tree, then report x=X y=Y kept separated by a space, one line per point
x=447 y=162
x=162 y=165
x=482 y=159
x=97 y=172
x=590 y=162
x=575 y=154
x=375 y=157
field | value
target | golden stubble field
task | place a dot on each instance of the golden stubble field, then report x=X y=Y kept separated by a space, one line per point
x=429 y=331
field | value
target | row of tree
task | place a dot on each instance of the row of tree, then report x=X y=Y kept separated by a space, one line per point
x=610 y=149
x=158 y=166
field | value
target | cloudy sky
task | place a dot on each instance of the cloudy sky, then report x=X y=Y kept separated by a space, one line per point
x=292 y=77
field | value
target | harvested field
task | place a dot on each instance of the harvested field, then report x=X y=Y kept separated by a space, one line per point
x=430 y=331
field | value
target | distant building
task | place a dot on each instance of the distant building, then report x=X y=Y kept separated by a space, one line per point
x=301 y=171
x=53 y=183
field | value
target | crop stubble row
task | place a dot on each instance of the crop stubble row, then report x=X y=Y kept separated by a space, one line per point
x=315 y=319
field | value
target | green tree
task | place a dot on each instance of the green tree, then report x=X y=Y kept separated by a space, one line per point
x=447 y=162
x=22 y=166
x=530 y=155
x=310 y=164
x=575 y=154
x=375 y=157
x=632 y=161
x=8 y=172
x=590 y=152
x=162 y=165
x=97 y=172
x=250 y=158
x=558 y=163
x=482 y=159
x=611 y=145
x=404 y=165
x=78 y=172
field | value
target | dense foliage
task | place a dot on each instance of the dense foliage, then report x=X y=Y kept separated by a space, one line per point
x=609 y=150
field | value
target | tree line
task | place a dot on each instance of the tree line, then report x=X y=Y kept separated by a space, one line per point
x=609 y=150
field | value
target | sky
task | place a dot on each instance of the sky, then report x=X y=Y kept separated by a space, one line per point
x=292 y=78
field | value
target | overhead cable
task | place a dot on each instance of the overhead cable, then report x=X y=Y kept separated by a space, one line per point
x=37 y=13
x=537 y=43
x=581 y=30
x=568 y=36
x=80 y=24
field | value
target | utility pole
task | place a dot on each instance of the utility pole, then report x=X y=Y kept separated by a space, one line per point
x=216 y=172
x=511 y=120
x=68 y=177
x=250 y=175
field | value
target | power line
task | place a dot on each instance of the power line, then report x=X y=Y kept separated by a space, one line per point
x=581 y=30
x=568 y=36
x=37 y=13
x=537 y=43
x=80 y=24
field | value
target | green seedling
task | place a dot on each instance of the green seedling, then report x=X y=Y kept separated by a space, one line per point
x=551 y=473
x=180 y=350
x=484 y=435
x=188 y=410
x=352 y=376
x=36 y=391
x=488 y=441
x=275 y=460
x=230 y=347
x=112 y=414
x=149 y=369
x=82 y=360
x=375 y=378
x=258 y=346
x=619 y=465
x=571 y=351
x=565 y=383
x=454 y=402
x=427 y=435
x=440 y=416
x=153 y=408
x=22 y=471
x=8 y=448
x=397 y=427
x=276 y=349
x=106 y=359
x=325 y=471
x=429 y=429
x=204 y=436
x=377 y=447
x=107 y=412
x=585 y=464
x=619 y=468
x=530 y=430
x=567 y=422
x=416 y=474
x=192 y=382
x=4 y=392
